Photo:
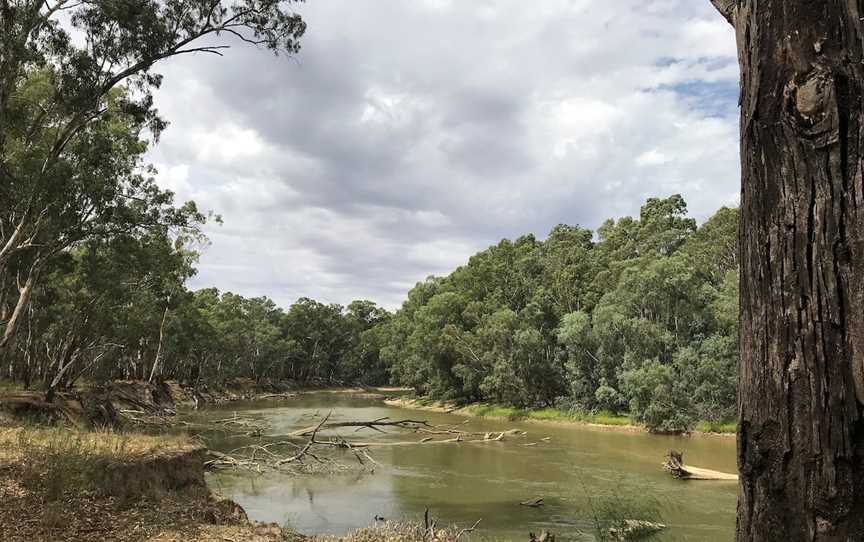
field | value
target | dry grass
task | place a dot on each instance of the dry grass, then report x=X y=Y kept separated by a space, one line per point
x=391 y=531
x=52 y=489
x=59 y=485
x=85 y=445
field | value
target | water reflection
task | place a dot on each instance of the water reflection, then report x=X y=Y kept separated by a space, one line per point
x=576 y=468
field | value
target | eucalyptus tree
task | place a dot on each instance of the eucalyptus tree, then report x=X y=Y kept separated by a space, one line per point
x=99 y=310
x=583 y=322
x=801 y=378
x=76 y=95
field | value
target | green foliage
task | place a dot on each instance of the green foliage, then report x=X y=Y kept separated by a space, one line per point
x=608 y=398
x=644 y=317
x=116 y=309
x=76 y=103
x=552 y=414
x=642 y=321
x=716 y=427
x=624 y=516
x=657 y=397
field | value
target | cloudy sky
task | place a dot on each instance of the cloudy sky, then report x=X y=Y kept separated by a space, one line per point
x=408 y=135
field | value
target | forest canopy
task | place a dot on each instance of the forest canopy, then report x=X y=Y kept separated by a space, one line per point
x=639 y=317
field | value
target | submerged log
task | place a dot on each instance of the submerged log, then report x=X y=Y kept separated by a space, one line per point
x=635 y=529
x=674 y=464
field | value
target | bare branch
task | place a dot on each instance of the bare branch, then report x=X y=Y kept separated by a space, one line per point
x=463 y=531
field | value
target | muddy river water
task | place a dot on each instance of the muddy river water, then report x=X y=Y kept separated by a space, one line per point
x=581 y=472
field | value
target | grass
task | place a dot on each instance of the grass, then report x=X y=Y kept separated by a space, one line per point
x=716 y=427
x=56 y=460
x=623 y=516
x=7 y=386
x=548 y=414
x=602 y=417
x=107 y=444
x=391 y=531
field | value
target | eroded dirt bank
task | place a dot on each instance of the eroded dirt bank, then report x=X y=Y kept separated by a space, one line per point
x=123 y=402
x=60 y=484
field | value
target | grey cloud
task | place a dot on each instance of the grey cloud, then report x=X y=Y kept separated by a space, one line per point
x=408 y=135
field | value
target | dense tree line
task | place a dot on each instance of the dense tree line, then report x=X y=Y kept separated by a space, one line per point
x=640 y=318
x=94 y=256
x=119 y=309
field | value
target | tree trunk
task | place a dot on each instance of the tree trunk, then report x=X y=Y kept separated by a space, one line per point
x=24 y=292
x=801 y=372
x=159 y=346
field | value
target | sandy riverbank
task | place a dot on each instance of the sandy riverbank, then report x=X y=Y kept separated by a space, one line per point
x=480 y=410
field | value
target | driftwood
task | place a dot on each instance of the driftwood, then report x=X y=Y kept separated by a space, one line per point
x=285 y=395
x=375 y=425
x=258 y=457
x=674 y=464
x=305 y=450
x=430 y=535
x=469 y=530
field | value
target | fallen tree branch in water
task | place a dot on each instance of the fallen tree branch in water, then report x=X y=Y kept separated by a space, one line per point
x=309 y=444
x=545 y=536
x=464 y=531
x=258 y=457
x=373 y=424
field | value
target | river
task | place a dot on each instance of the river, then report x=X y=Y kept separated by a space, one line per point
x=580 y=471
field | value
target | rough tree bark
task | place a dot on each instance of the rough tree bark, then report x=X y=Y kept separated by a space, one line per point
x=801 y=239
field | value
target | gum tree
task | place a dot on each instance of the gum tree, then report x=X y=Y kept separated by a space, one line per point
x=801 y=243
x=76 y=83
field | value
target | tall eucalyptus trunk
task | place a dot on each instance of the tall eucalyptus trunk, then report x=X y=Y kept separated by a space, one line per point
x=801 y=240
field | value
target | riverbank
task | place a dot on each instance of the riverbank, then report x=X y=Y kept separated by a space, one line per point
x=135 y=403
x=60 y=484
x=63 y=484
x=601 y=420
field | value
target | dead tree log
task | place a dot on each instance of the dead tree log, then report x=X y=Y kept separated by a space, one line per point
x=373 y=424
x=674 y=464
x=545 y=536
